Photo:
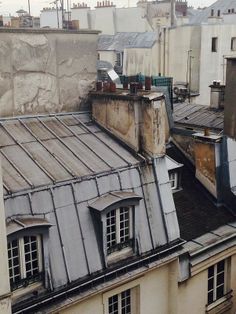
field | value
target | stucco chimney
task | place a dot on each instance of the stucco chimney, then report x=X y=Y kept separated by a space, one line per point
x=217 y=95
x=138 y=121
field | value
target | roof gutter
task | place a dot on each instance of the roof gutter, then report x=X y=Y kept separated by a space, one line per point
x=127 y=268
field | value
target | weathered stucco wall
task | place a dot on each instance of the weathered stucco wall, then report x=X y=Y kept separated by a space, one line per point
x=135 y=120
x=45 y=71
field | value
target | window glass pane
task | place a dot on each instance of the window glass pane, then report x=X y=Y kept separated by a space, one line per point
x=111 y=228
x=220 y=292
x=210 y=271
x=125 y=302
x=210 y=297
x=113 y=304
x=220 y=266
x=31 y=256
x=124 y=224
x=210 y=284
x=220 y=279
x=13 y=261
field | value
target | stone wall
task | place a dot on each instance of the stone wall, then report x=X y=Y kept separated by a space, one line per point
x=45 y=71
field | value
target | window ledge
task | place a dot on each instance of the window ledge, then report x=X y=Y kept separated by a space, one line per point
x=119 y=255
x=220 y=306
x=23 y=293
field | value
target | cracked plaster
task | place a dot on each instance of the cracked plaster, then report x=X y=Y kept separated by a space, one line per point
x=45 y=73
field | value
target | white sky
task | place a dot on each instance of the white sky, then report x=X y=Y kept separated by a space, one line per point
x=11 y=6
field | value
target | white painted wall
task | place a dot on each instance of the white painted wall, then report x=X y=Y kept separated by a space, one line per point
x=103 y=20
x=109 y=56
x=181 y=40
x=48 y=18
x=81 y=14
x=131 y=20
x=211 y=63
x=141 y=60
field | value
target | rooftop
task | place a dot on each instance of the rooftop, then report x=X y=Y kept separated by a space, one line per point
x=39 y=151
x=196 y=215
x=222 y=5
x=120 y=41
x=198 y=116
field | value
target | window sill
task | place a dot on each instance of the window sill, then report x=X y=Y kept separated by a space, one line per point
x=119 y=255
x=220 y=306
x=24 y=293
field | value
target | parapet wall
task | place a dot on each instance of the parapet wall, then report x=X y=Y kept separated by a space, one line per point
x=45 y=71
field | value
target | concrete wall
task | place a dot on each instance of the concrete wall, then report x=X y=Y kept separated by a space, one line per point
x=214 y=61
x=109 y=56
x=181 y=40
x=81 y=14
x=45 y=71
x=131 y=20
x=103 y=20
x=48 y=18
x=141 y=60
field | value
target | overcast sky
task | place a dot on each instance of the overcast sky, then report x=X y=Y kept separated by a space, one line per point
x=11 y=6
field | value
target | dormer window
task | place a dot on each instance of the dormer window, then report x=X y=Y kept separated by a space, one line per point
x=114 y=218
x=173 y=180
x=119 y=229
x=25 y=260
x=174 y=170
x=27 y=251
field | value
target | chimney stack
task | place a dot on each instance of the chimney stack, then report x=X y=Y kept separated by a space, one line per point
x=137 y=120
x=230 y=96
x=217 y=95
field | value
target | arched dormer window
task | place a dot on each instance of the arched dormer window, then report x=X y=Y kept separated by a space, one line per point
x=27 y=251
x=114 y=216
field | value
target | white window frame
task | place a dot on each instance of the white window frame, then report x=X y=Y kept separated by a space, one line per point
x=173 y=179
x=21 y=254
x=134 y=287
x=117 y=223
x=215 y=286
x=119 y=297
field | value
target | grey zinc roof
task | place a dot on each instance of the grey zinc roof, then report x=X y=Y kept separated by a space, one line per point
x=120 y=41
x=222 y=5
x=198 y=116
x=38 y=151
x=55 y=166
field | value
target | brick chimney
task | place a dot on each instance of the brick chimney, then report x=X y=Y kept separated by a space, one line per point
x=138 y=121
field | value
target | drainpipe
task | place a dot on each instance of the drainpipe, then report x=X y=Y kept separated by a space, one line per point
x=173 y=16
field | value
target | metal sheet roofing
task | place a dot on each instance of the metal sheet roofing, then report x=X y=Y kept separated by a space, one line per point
x=60 y=164
x=38 y=151
x=120 y=41
x=198 y=116
x=222 y=5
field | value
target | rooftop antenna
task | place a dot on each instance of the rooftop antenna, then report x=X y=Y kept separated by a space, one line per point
x=29 y=7
x=56 y=3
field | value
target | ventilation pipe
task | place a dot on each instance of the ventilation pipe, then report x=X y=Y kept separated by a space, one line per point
x=173 y=16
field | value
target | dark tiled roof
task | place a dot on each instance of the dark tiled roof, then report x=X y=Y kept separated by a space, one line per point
x=197 y=214
x=191 y=115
